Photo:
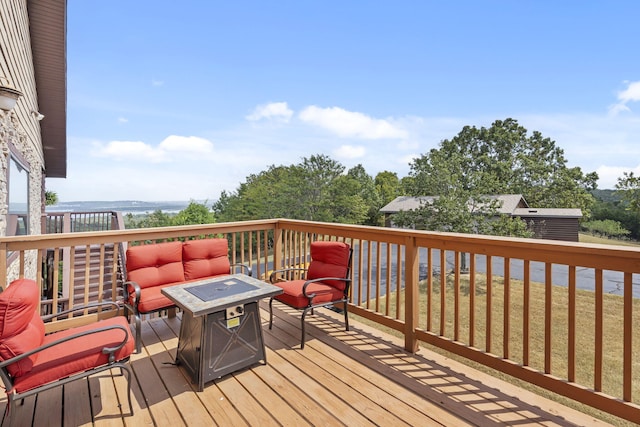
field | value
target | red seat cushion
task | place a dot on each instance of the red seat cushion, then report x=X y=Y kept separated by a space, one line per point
x=21 y=328
x=329 y=259
x=292 y=293
x=155 y=264
x=151 y=299
x=205 y=258
x=76 y=355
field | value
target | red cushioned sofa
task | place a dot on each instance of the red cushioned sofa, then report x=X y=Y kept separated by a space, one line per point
x=32 y=362
x=149 y=268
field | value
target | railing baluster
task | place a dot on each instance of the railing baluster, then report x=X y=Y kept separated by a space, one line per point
x=443 y=291
x=101 y=273
x=526 y=311
x=456 y=296
x=597 y=369
x=360 y=281
x=399 y=272
x=368 y=274
x=627 y=357
x=472 y=298
x=72 y=278
x=387 y=292
x=506 y=309
x=548 y=301
x=378 y=274
x=571 y=362
x=429 y=289
x=489 y=307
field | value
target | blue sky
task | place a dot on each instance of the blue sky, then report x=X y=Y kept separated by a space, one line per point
x=180 y=100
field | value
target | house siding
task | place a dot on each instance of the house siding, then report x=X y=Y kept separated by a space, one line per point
x=19 y=129
x=565 y=229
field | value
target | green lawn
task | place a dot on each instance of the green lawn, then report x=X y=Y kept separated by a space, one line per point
x=588 y=238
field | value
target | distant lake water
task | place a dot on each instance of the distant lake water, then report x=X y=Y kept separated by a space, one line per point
x=125 y=206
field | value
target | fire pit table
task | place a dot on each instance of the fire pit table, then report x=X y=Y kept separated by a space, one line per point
x=221 y=331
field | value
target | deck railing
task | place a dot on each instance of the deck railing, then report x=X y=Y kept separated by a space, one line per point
x=74 y=222
x=562 y=316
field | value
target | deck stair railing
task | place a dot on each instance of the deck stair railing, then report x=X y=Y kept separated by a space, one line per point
x=92 y=269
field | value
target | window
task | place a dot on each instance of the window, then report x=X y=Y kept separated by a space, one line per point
x=18 y=212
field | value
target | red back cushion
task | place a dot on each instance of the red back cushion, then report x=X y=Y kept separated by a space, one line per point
x=156 y=264
x=21 y=328
x=329 y=259
x=205 y=258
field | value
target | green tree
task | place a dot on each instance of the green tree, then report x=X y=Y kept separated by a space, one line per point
x=388 y=186
x=316 y=189
x=155 y=219
x=606 y=228
x=369 y=196
x=345 y=203
x=501 y=159
x=628 y=188
x=194 y=213
x=50 y=198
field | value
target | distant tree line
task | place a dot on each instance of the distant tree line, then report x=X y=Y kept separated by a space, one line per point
x=461 y=173
x=194 y=213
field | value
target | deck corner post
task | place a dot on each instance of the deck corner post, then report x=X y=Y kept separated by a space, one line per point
x=411 y=274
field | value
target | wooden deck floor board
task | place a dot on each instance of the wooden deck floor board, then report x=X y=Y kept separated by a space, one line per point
x=376 y=381
x=380 y=390
x=49 y=408
x=369 y=397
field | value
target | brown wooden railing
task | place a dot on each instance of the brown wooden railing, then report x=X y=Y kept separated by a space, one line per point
x=515 y=305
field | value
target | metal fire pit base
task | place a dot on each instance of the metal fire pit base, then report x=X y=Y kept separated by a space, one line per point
x=214 y=345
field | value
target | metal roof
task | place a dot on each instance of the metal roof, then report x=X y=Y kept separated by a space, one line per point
x=48 y=30
x=548 y=213
x=512 y=204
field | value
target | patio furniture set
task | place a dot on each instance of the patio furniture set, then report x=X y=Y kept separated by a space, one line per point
x=220 y=330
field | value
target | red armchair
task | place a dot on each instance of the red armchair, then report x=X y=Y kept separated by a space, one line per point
x=32 y=362
x=326 y=282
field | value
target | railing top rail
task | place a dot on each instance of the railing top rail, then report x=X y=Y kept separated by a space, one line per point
x=72 y=213
x=622 y=258
x=42 y=241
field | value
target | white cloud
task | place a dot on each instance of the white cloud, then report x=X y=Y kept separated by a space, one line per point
x=630 y=94
x=349 y=152
x=278 y=111
x=608 y=175
x=186 y=144
x=168 y=150
x=123 y=120
x=127 y=150
x=350 y=124
x=155 y=82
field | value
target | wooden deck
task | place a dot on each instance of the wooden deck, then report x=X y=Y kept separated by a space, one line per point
x=356 y=378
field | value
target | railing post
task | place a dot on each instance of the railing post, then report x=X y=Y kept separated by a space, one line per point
x=411 y=277
x=66 y=258
x=277 y=247
x=3 y=266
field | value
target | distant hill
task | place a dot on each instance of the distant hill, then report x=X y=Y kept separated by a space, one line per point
x=125 y=206
x=606 y=195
